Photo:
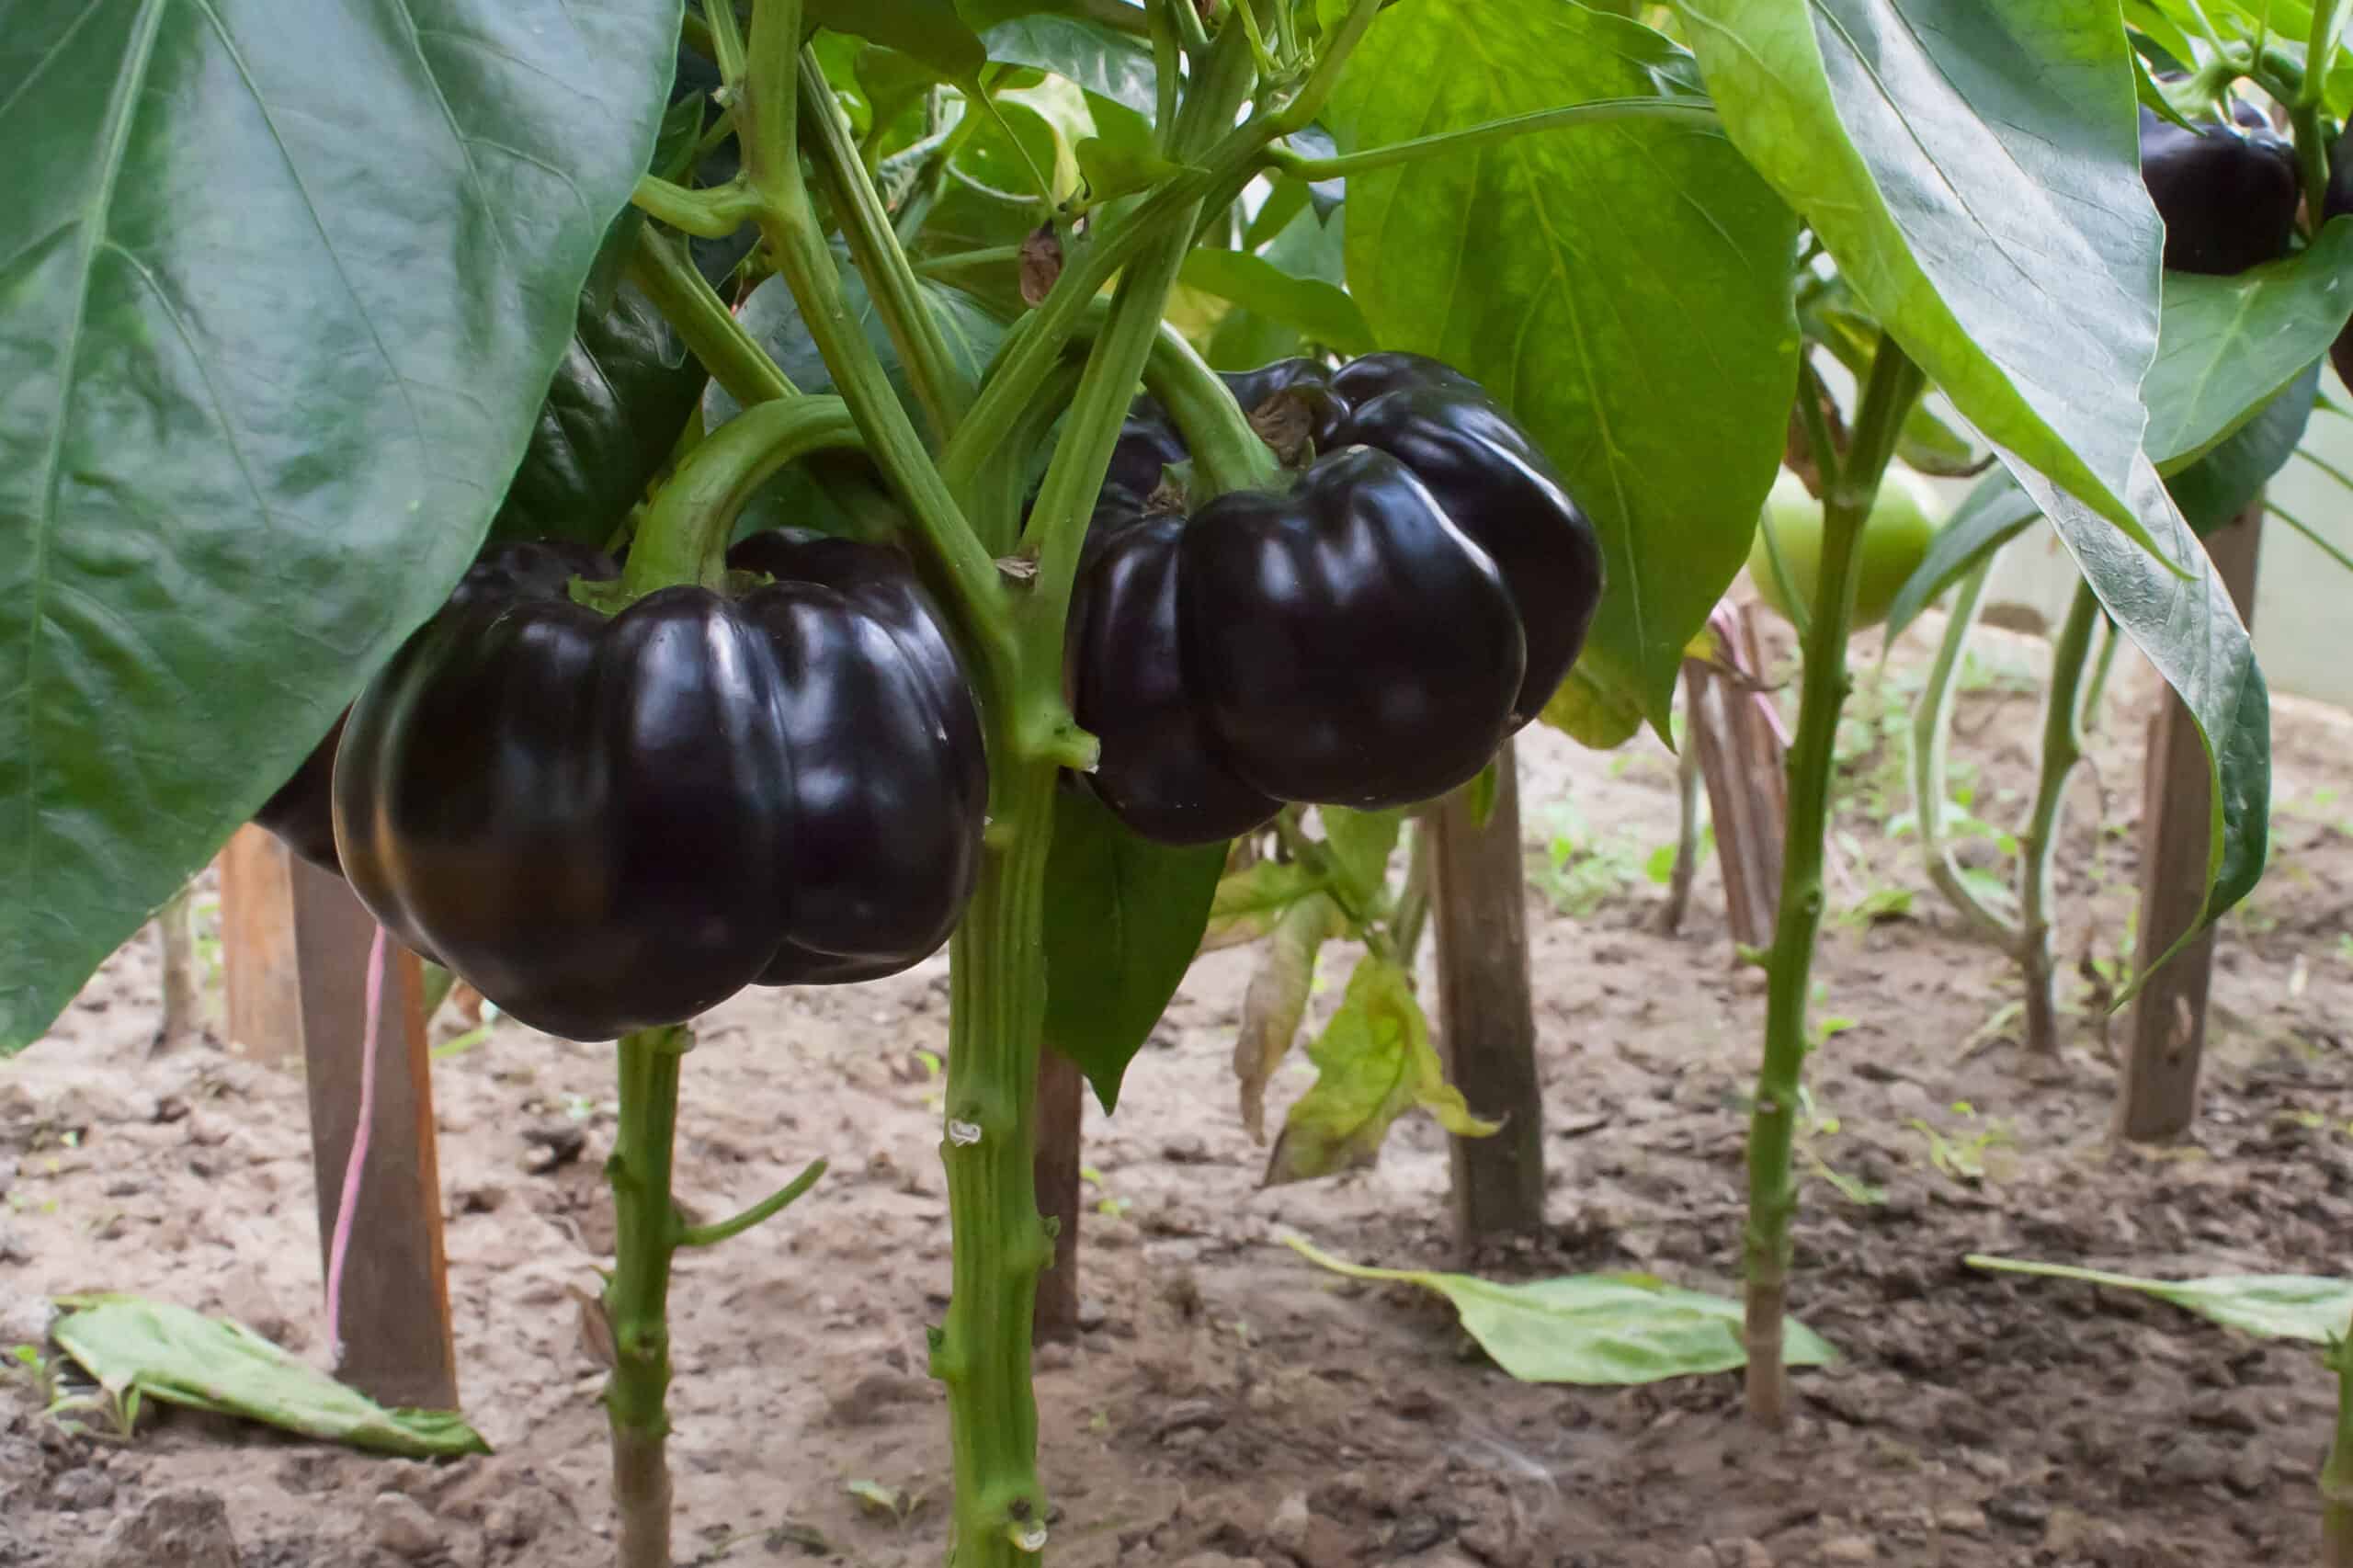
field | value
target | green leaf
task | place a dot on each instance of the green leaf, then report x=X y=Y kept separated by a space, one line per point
x=1978 y=179
x=1113 y=66
x=1114 y=166
x=2229 y=345
x=2271 y=1306
x=1592 y=714
x=774 y=320
x=141 y=1349
x=1246 y=902
x=1360 y=843
x=1315 y=309
x=1995 y=512
x=1623 y=289
x=1275 y=1000
x=2182 y=619
x=1373 y=1062
x=1599 y=1329
x=2220 y=485
x=1124 y=916
x=282 y=292
x=930 y=30
x=620 y=399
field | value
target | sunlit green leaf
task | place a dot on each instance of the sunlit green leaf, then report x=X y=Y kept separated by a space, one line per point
x=1623 y=288
x=2271 y=1306
x=1600 y=1329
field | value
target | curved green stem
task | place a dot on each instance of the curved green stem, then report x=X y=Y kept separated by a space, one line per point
x=1167 y=47
x=2063 y=748
x=636 y=1300
x=2337 y=1473
x=663 y=273
x=939 y=383
x=954 y=261
x=1893 y=387
x=1931 y=732
x=771 y=166
x=1227 y=453
x=1599 y=111
x=766 y=1208
x=713 y=215
x=1300 y=113
x=1217 y=93
x=684 y=535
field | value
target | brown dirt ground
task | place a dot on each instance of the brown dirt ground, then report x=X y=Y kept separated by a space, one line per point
x=1233 y=1404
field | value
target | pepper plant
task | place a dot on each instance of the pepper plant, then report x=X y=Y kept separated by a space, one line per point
x=282 y=347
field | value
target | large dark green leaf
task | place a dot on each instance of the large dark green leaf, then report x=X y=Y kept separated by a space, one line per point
x=1975 y=170
x=2228 y=345
x=2182 y=619
x=620 y=399
x=280 y=289
x=1623 y=288
x=2218 y=486
x=1123 y=919
x=1995 y=512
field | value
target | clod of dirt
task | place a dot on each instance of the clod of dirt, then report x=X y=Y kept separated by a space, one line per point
x=84 y=1491
x=188 y=1528
x=868 y=1399
x=553 y=1144
x=1288 y=1530
x=400 y=1524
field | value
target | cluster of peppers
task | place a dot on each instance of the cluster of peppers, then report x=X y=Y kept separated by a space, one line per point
x=607 y=824
x=1366 y=637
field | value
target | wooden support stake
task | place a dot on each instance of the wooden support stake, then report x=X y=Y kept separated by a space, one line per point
x=2157 y=1096
x=1486 y=1017
x=1062 y=1112
x=1741 y=759
x=295 y=945
x=265 y=1012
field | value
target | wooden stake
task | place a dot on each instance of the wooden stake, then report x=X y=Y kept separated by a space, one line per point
x=1486 y=1018
x=1062 y=1112
x=2158 y=1096
x=265 y=1012
x=1740 y=757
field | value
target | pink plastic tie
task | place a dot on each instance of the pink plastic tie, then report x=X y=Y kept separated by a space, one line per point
x=358 y=1162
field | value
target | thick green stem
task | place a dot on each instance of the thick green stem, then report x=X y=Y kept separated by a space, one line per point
x=1227 y=453
x=1217 y=93
x=772 y=168
x=662 y=272
x=982 y=1351
x=1931 y=731
x=2063 y=748
x=2337 y=1474
x=1893 y=387
x=1696 y=112
x=938 y=381
x=685 y=534
x=712 y=213
x=636 y=1301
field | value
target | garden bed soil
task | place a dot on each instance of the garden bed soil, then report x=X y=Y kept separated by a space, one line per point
x=1230 y=1403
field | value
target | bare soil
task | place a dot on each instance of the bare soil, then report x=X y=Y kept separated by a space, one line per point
x=1229 y=1404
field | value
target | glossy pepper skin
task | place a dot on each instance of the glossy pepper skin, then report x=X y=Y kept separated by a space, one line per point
x=2228 y=200
x=607 y=824
x=1365 y=636
x=2335 y=204
x=302 y=812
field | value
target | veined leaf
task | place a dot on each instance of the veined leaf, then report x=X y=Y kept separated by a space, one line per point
x=1602 y=1329
x=2219 y=486
x=1623 y=288
x=2271 y=1306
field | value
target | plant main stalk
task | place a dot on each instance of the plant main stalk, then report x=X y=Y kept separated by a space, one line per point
x=1895 y=384
x=636 y=1301
x=2063 y=748
x=2337 y=1474
x=997 y=1018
